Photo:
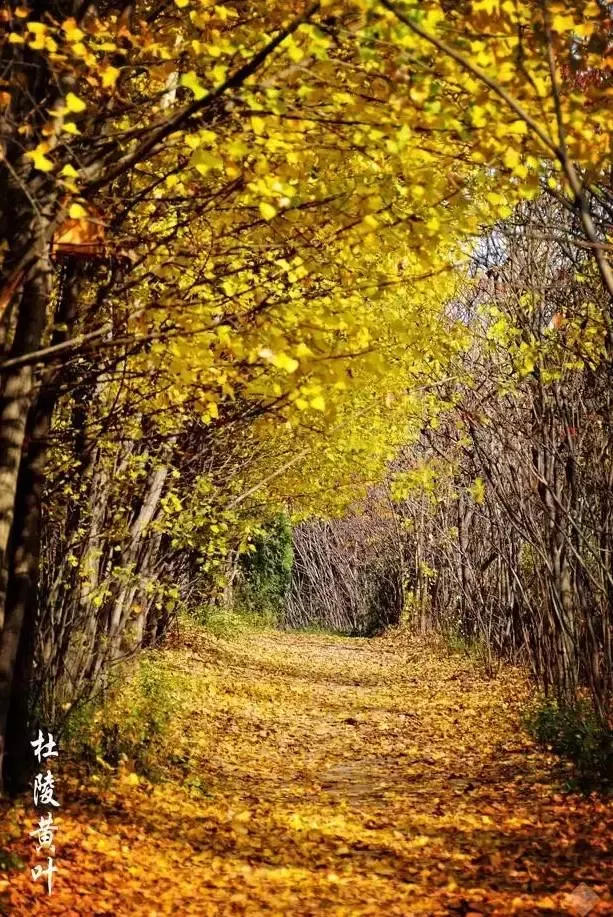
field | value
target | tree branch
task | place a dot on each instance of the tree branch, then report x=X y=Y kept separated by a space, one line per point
x=142 y=151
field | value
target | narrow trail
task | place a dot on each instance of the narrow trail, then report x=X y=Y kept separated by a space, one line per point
x=315 y=775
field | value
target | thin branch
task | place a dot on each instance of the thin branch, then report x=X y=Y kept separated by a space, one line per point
x=476 y=71
x=173 y=124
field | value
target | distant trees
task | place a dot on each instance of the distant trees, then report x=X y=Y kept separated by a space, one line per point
x=523 y=560
x=347 y=574
x=503 y=508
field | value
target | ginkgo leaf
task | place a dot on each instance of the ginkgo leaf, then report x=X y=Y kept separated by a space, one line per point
x=294 y=52
x=478 y=490
x=258 y=124
x=205 y=160
x=267 y=210
x=110 y=76
x=511 y=158
x=69 y=171
x=517 y=127
x=318 y=403
x=219 y=73
x=40 y=160
x=74 y=103
x=71 y=30
x=562 y=22
x=77 y=212
x=190 y=81
x=285 y=362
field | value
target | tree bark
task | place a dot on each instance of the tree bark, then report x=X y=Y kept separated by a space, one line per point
x=18 y=636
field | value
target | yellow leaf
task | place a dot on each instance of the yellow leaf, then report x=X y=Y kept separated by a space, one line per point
x=219 y=72
x=109 y=76
x=182 y=3
x=15 y=39
x=371 y=221
x=258 y=124
x=191 y=82
x=77 y=212
x=479 y=116
x=517 y=127
x=74 y=103
x=511 y=158
x=283 y=361
x=294 y=52
x=267 y=210
x=318 y=403
x=39 y=159
x=478 y=490
x=563 y=23
x=72 y=30
x=70 y=127
x=204 y=161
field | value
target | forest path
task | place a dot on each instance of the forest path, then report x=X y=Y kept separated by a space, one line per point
x=318 y=775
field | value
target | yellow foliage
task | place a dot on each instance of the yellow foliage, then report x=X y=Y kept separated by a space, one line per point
x=318 y=774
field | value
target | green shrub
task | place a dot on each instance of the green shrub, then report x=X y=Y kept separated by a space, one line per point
x=475 y=648
x=230 y=621
x=266 y=574
x=129 y=721
x=218 y=620
x=574 y=732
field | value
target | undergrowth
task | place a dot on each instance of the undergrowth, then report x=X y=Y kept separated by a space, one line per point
x=230 y=621
x=129 y=723
x=575 y=733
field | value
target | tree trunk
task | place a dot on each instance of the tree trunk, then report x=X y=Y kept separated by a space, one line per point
x=18 y=637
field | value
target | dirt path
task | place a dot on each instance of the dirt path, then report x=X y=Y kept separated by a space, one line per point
x=315 y=776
